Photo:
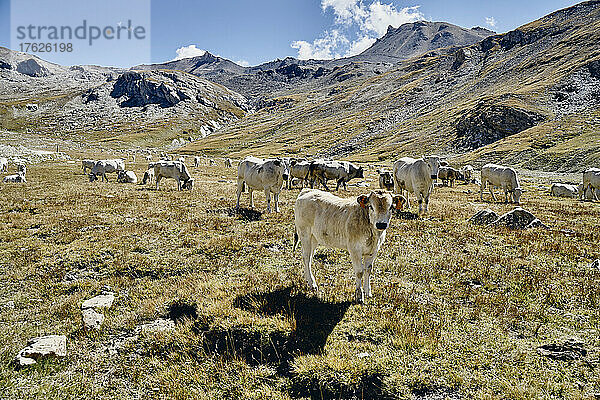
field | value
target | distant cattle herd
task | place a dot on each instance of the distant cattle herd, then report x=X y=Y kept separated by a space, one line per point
x=321 y=218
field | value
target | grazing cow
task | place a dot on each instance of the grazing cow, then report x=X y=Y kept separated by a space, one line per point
x=126 y=177
x=386 y=180
x=103 y=167
x=591 y=182
x=87 y=164
x=341 y=171
x=228 y=163
x=355 y=224
x=148 y=176
x=448 y=175
x=299 y=170
x=3 y=164
x=174 y=170
x=467 y=173
x=502 y=177
x=17 y=178
x=414 y=176
x=564 y=190
x=257 y=174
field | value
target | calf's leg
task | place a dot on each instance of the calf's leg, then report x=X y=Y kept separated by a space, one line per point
x=357 y=265
x=308 y=249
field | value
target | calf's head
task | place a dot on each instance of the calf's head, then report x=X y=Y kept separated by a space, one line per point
x=189 y=184
x=517 y=194
x=379 y=205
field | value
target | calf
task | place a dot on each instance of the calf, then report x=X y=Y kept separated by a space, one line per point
x=228 y=163
x=257 y=174
x=355 y=224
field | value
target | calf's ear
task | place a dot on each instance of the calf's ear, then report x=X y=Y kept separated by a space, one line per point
x=363 y=200
x=398 y=202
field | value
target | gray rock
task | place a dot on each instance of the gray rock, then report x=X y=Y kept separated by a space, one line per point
x=92 y=320
x=42 y=347
x=104 y=300
x=483 y=217
x=518 y=219
x=32 y=68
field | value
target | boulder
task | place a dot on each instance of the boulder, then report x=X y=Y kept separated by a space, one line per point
x=483 y=217
x=104 y=300
x=518 y=219
x=32 y=68
x=42 y=347
x=92 y=320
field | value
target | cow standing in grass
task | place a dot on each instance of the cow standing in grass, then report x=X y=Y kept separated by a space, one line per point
x=355 y=224
x=414 y=176
x=259 y=174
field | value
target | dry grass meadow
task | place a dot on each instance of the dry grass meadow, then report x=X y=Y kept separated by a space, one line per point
x=458 y=310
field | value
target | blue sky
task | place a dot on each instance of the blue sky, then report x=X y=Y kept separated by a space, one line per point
x=252 y=32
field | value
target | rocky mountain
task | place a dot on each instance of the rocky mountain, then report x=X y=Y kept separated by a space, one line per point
x=139 y=107
x=415 y=39
x=407 y=41
x=529 y=97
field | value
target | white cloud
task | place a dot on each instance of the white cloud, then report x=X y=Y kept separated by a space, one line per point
x=243 y=63
x=324 y=48
x=359 y=45
x=354 y=19
x=381 y=16
x=188 y=51
x=491 y=21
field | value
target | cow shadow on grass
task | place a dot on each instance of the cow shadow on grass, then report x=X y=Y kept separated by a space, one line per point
x=241 y=213
x=313 y=320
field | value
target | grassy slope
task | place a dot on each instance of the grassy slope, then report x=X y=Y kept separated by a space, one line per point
x=519 y=77
x=456 y=308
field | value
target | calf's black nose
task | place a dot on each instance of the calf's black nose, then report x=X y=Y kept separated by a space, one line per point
x=381 y=225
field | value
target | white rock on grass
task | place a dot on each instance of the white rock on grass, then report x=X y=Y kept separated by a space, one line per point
x=104 y=300
x=42 y=347
x=160 y=325
x=91 y=315
x=92 y=320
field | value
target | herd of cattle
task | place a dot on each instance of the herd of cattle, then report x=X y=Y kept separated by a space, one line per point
x=321 y=218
